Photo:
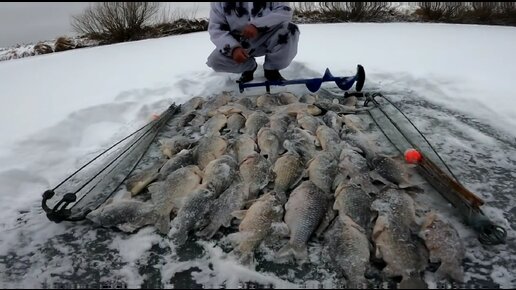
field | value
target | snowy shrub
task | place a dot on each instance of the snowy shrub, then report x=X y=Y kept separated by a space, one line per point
x=42 y=48
x=115 y=21
x=63 y=43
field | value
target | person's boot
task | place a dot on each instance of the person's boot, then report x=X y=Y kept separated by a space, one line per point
x=247 y=76
x=273 y=75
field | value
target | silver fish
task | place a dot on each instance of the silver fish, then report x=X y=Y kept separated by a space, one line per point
x=171 y=146
x=269 y=144
x=127 y=214
x=288 y=171
x=169 y=195
x=256 y=225
x=304 y=211
x=235 y=123
x=393 y=235
x=232 y=199
x=322 y=170
x=349 y=249
x=353 y=201
x=220 y=173
x=192 y=215
x=208 y=149
x=255 y=122
x=214 y=124
x=444 y=245
x=254 y=170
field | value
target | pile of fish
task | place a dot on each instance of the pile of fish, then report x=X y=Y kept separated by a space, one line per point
x=298 y=167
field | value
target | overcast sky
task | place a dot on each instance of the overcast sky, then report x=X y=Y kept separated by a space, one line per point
x=30 y=22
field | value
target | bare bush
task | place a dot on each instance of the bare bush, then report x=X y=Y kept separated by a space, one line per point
x=441 y=11
x=115 y=21
x=355 y=11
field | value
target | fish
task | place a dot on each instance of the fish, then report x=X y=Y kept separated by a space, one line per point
x=333 y=120
x=255 y=171
x=267 y=102
x=255 y=122
x=256 y=225
x=322 y=170
x=288 y=171
x=388 y=170
x=329 y=140
x=214 y=124
x=309 y=122
x=298 y=108
x=235 y=122
x=209 y=148
x=171 y=146
x=138 y=182
x=215 y=102
x=269 y=144
x=169 y=195
x=349 y=250
x=286 y=98
x=304 y=211
x=351 y=200
x=350 y=101
x=395 y=237
x=302 y=142
x=192 y=215
x=354 y=166
x=181 y=159
x=232 y=108
x=243 y=146
x=231 y=200
x=127 y=215
x=444 y=245
x=325 y=106
x=193 y=119
x=219 y=174
x=309 y=98
x=192 y=104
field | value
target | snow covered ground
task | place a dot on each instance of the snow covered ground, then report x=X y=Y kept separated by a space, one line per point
x=59 y=110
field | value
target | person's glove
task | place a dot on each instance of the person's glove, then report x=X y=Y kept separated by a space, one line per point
x=250 y=31
x=240 y=55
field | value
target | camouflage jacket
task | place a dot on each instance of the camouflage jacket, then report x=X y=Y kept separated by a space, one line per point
x=228 y=19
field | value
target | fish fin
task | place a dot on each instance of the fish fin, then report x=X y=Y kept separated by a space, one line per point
x=326 y=220
x=239 y=214
x=127 y=227
x=456 y=273
x=163 y=224
x=379 y=226
x=209 y=231
x=375 y=176
x=284 y=251
x=155 y=187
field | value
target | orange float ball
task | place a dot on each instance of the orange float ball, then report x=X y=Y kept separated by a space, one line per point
x=412 y=156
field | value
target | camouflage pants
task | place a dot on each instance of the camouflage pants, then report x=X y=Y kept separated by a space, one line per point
x=278 y=45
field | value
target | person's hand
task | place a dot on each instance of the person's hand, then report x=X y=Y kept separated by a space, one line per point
x=240 y=55
x=250 y=31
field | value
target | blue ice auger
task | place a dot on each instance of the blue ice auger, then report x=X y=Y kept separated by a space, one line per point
x=344 y=83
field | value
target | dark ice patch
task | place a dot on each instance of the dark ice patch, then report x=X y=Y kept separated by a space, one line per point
x=286 y=8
